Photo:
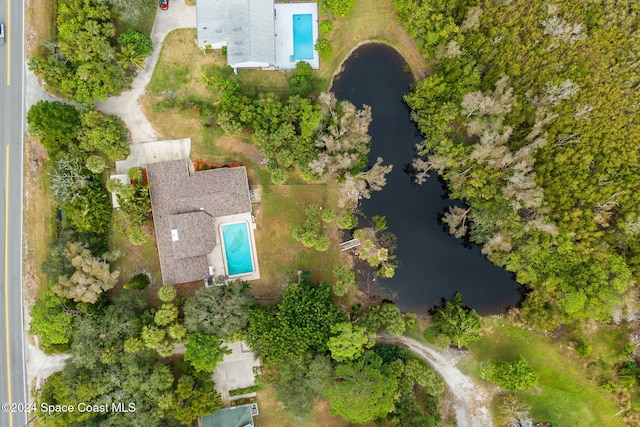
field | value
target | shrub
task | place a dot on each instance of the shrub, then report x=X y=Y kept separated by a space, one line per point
x=138 y=282
x=325 y=27
x=340 y=8
x=324 y=49
x=516 y=375
x=328 y=215
x=141 y=42
x=300 y=80
x=347 y=221
x=345 y=279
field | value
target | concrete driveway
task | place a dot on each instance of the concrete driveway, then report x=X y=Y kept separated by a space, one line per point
x=126 y=106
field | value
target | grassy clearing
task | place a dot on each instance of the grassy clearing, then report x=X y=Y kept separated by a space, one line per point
x=37 y=215
x=134 y=259
x=564 y=397
x=178 y=73
x=40 y=17
x=371 y=20
x=273 y=413
x=136 y=14
x=279 y=254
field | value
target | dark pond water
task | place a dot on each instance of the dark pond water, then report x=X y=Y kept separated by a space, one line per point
x=433 y=264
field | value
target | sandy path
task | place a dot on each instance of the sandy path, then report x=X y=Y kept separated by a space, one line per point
x=126 y=106
x=472 y=401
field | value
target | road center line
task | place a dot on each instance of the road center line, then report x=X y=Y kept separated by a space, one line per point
x=6 y=277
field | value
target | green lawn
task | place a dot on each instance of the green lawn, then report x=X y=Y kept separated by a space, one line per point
x=281 y=211
x=134 y=259
x=564 y=397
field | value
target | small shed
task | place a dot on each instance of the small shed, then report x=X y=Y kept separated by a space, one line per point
x=239 y=416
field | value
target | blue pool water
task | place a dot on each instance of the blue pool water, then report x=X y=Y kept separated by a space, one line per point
x=237 y=248
x=302 y=37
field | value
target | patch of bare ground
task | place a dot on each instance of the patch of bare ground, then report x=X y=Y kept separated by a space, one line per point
x=471 y=400
x=40 y=24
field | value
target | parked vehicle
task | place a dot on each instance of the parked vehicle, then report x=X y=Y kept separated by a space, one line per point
x=2 y=35
x=164 y=4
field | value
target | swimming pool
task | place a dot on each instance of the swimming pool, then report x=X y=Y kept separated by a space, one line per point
x=302 y=37
x=237 y=248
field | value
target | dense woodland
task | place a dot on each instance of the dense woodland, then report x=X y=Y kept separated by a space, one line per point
x=531 y=116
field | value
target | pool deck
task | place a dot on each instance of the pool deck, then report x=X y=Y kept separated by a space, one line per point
x=216 y=257
x=284 y=33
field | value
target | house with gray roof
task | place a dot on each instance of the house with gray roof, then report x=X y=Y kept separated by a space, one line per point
x=259 y=34
x=245 y=27
x=190 y=209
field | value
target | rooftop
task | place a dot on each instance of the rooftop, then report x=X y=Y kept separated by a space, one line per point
x=246 y=27
x=239 y=416
x=184 y=210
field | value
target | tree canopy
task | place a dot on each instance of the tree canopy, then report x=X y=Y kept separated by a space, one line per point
x=459 y=323
x=299 y=325
x=540 y=95
x=362 y=390
x=222 y=311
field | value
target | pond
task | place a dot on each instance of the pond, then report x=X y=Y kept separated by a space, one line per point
x=433 y=264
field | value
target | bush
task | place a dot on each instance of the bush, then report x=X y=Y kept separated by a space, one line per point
x=328 y=215
x=347 y=221
x=516 y=375
x=325 y=27
x=300 y=80
x=345 y=279
x=442 y=341
x=55 y=123
x=278 y=176
x=138 y=282
x=246 y=390
x=324 y=49
x=340 y=8
x=140 y=42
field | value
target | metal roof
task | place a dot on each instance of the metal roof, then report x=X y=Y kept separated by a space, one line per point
x=246 y=27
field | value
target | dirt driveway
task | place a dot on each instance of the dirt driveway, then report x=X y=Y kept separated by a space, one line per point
x=472 y=402
x=126 y=106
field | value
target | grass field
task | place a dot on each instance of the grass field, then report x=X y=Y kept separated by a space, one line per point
x=134 y=259
x=37 y=214
x=564 y=396
x=279 y=254
x=273 y=413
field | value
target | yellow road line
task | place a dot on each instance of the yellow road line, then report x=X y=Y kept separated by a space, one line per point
x=6 y=276
x=8 y=37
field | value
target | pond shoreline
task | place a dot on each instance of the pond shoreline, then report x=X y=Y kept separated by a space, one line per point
x=432 y=264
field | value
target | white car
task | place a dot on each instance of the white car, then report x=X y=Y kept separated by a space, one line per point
x=2 y=36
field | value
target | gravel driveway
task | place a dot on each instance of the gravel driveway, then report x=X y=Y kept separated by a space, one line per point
x=472 y=401
x=126 y=106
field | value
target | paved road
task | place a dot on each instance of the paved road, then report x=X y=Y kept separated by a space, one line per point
x=12 y=361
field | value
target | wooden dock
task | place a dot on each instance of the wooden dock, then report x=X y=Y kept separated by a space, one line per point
x=349 y=244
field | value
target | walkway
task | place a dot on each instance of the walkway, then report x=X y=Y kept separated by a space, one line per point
x=126 y=106
x=472 y=401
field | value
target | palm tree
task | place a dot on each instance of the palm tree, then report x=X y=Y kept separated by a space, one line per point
x=129 y=58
